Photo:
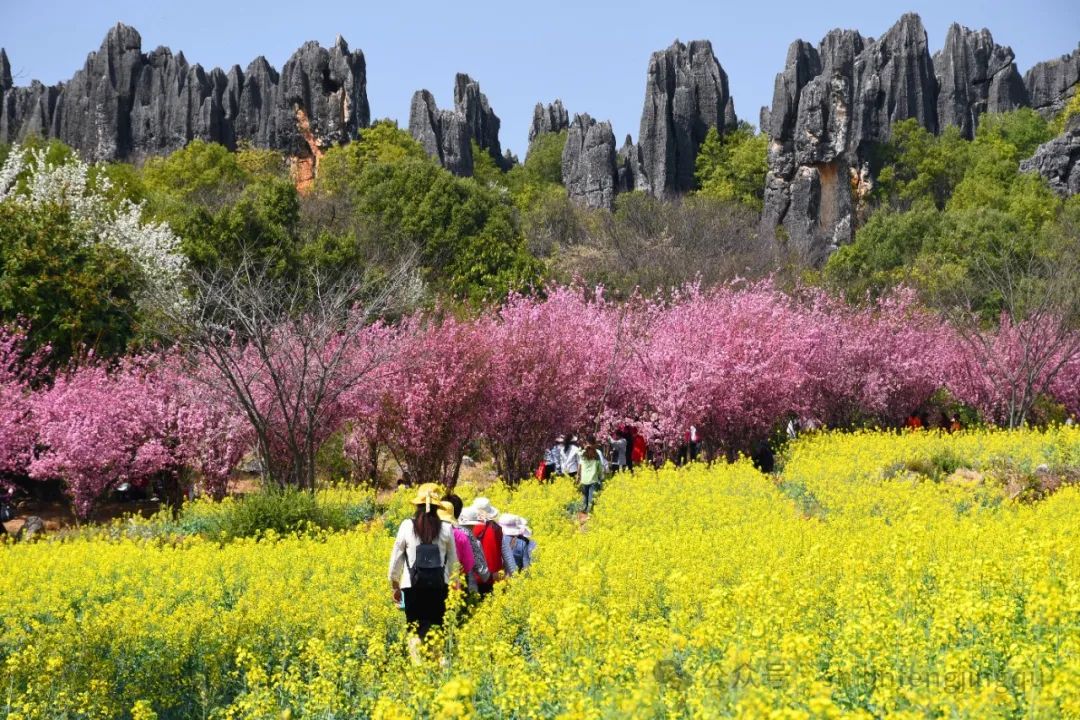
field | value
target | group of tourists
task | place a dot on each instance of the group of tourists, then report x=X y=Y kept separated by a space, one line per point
x=626 y=448
x=445 y=544
x=921 y=419
x=586 y=464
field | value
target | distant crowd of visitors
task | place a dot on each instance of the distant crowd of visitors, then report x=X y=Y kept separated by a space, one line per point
x=625 y=449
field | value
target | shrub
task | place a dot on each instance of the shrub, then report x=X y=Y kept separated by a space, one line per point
x=281 y=511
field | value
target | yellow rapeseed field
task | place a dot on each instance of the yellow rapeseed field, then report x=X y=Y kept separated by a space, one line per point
x=870 y=578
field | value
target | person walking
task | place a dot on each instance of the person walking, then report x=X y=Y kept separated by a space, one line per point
x=422 y=562
x=639 y=448
x=522 y=547
x=480 y=575
x=551 y=459
x=494 y=545
x=7 y=509
x=693 y=443
x=618 y=450
x=462 y=538
x=569 y=456
x=793 y=428
x=590 y=474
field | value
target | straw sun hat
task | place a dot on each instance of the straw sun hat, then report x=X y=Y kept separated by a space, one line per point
x=430 y=494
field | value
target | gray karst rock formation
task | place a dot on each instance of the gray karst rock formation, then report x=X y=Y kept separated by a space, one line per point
x=126 y=104
x=444 y=134
x=630 y=174
x=1051 y=84
x=174 y=103
x=831 y=104
x=551 y=118
x=482 y=121
x=329 y=86
x=447 y=134
x=974 y=76
x=588 y=163
x=5 y=71
x=686 y=93
x=1059 y=160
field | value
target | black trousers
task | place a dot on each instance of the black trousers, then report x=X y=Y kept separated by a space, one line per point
x=425 y=608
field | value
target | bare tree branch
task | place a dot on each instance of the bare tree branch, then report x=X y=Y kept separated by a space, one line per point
x=283 y=351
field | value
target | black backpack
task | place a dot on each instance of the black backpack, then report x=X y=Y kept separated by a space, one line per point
x=428 y=572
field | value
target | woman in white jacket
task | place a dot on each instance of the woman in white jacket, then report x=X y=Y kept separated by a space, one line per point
x=423 y=560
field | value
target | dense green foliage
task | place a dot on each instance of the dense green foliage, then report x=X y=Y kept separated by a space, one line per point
x=733 y=166
x=223 y=206
x=945 y=209
x=465 y=231
x=1071 y=110
x=72 y=295
x=531 y=183
x=279 y=511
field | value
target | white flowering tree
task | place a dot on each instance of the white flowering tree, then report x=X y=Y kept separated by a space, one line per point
x=28 y=177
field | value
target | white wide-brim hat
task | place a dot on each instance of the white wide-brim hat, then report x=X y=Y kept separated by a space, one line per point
x=514 y=525
x=469 y=516
x=484 y=508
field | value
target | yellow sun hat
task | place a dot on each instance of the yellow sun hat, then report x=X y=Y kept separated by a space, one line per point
x=428 y=494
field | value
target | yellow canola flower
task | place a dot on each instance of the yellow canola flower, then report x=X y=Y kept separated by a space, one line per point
x=878 y=575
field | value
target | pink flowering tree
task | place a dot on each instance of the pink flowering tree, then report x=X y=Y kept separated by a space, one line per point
x=736 y=361
x=873 y=363
x=99 y=427
x=17 y=422
x=141 y=422
x=286 y=353
x=1003 y=372
x=1011 y=361
x=550 y=363
x=431 y=409
x=726 y=361
x=212 y=436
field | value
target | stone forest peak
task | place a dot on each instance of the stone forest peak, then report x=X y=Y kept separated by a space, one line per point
x=832 y=102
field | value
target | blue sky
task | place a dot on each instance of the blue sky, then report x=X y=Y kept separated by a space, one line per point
x=591 y=54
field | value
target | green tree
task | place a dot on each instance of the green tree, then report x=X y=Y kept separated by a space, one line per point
x=72 y=292
x=543 y=163
x=201 y=172
x=919 y=167
x=884 y=253
x=225 y=205
x=733 y=166
x=994 y=180
x=947 y=207
x=465 y=230
x=382 y=143
x=1071 y=110
x=264 y=221
x=540 y=176
x=485 y=170
x=261 y=162
x=1024 y=129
